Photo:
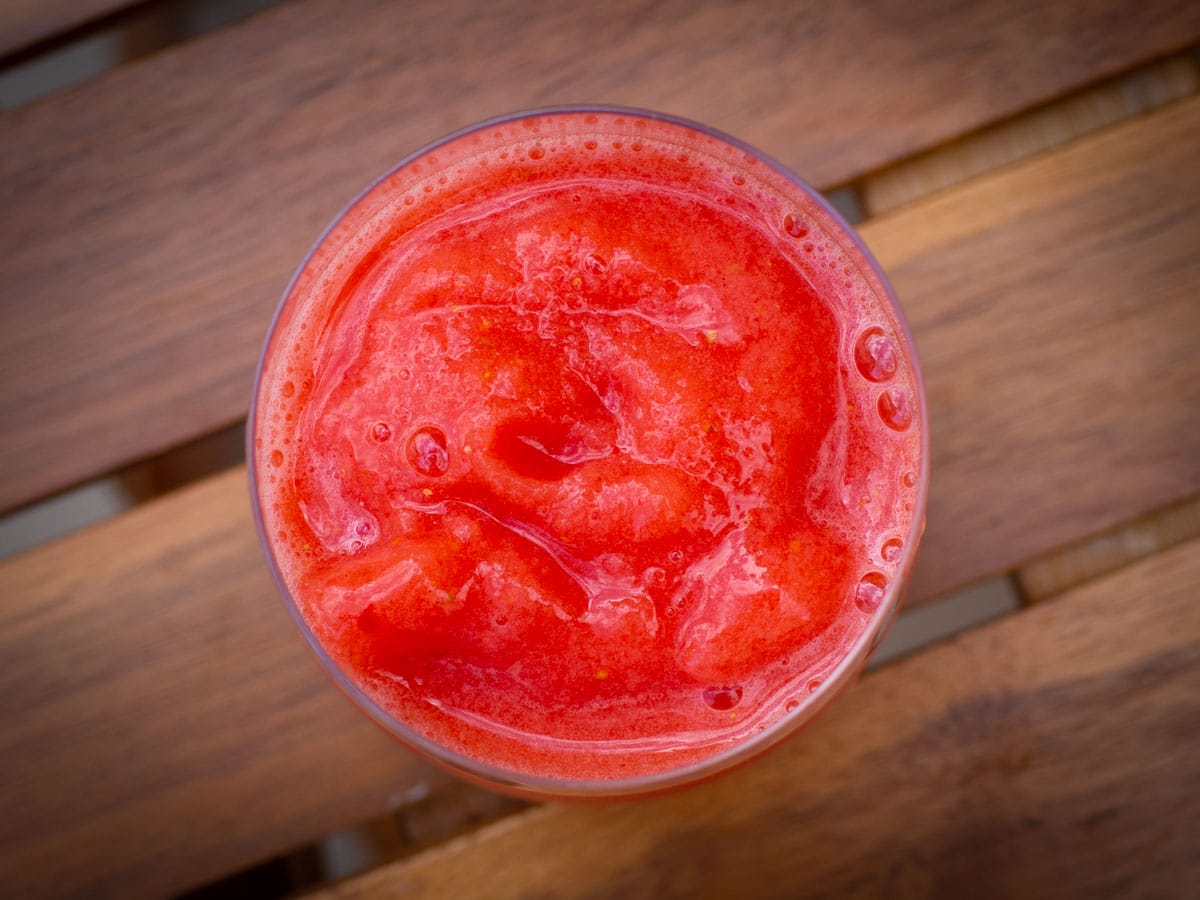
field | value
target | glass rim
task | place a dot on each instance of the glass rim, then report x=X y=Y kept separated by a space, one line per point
x=840 y=676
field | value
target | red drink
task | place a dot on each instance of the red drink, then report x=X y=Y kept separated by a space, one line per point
x=588 y=447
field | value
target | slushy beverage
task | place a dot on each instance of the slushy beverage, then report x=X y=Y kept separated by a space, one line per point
x=588 y=450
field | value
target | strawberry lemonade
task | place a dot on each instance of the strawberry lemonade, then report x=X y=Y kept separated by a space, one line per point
x=588 y=449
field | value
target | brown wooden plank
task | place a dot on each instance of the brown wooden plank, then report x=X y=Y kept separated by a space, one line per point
x=993 y=280
x=24 y=23
x=1055 y=308
x=1051 y=754
x=163 y=722
x=1050 y=575
x=1030 y=133
x=152 y=216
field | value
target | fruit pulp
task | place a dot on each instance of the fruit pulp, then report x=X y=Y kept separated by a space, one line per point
x=588 y=446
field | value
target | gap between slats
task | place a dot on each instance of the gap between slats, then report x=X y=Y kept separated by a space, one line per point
x=72 y=42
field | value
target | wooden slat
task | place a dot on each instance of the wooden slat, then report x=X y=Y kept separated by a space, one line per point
x=1030 y=133
x=1072 y=276
x=1056 y=307
x=163 y=723
x=1051 y=754
x=152 y=217
x=1050 y=575
x=24 y=23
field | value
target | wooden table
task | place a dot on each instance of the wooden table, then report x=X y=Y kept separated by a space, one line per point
x=1028 y=174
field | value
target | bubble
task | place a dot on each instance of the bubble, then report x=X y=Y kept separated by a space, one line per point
x=794 y=227
x=380 y=432
x=355 y=546
x=589 y=145
x=894 y=409
x=617 y=145
x=739 y=180
x=277 y=458
x=869 y=593
x=635 y=147
x=808 y=247
x=288 y=389
x=364 y=529
x=875 y=355
x=792 y=705
x=537 y=153
x=427 y=451
x=724 y=697
x=501 y=621
x=813 y=685
x=890 y=551
x=908 y=479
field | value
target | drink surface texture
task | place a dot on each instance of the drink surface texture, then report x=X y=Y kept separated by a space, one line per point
x=587 y=446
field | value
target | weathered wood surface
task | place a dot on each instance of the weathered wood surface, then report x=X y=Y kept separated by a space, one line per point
x=1051 y=754
x=1055 y=306
x=164 y=724
x=153 y=216
x=1030 y=133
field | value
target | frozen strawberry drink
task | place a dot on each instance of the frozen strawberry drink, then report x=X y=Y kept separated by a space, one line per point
x=588 y=449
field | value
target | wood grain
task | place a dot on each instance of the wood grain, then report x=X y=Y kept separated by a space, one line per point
x=1051 y=754
x=153 y=216
x=163 y=723
x=1055 y=309
x=1030 y=133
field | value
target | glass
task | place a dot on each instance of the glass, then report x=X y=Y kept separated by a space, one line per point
x=370 y=215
